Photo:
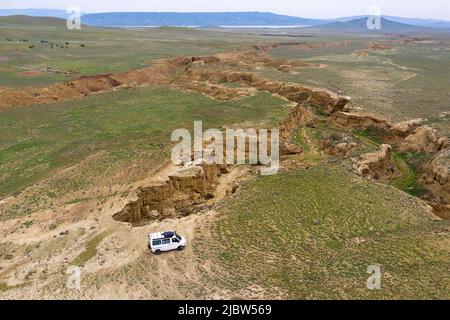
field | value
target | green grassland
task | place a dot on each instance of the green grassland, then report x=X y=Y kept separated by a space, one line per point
x=317 y=232
x=93 y=50
x=123 y=127
x=90 y=251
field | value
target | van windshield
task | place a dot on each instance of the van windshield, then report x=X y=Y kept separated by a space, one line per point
x=177 y=236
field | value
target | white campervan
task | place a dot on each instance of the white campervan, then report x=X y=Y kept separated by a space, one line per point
x=165 y=241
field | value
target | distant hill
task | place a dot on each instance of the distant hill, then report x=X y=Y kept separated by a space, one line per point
x=199 y=19
x=429 y=23
x=35 y=13
x=20 y=20
x=360 y=26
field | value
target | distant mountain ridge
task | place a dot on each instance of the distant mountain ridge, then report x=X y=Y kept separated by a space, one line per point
x=208 y=19
x=360 y=26
x=200 y=19
x=420 y=22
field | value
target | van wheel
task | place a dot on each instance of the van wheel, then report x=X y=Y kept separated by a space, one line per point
x=158 y=252
x=180 y=248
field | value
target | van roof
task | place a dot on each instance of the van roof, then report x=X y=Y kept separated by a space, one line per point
x=162 y=235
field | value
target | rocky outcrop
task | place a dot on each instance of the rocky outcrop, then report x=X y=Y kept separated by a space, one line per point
x=349 y=120
x=376 y=164
x=289 y=126
x=206 y=59
x=327 y=101
x=437 y=183
x=341 y=149
x=385 y=45
x=179 y=195
x=364 y=120
x=215 y=91
x=404 y=128
x=372 y=47
x=423 y=139
x=250 y=59
x=407 y=136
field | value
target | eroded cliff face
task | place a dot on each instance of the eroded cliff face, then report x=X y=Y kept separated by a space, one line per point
x=404 y=137
x=353 y=120
x=297 y=116
x=423 y=139
x=179 y=195
x=437 y=183
x=327 y=101
x=404 y=128
x=258 y=58
x=407 y=136
x=376 y=164
x=216 y=91
x=160 y=72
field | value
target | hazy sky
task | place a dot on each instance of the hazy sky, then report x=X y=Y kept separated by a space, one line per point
x=439 y=9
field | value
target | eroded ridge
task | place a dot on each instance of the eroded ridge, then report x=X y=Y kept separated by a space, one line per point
x=196 y=185
x=209 y=75
x=177 y=196
x=410 y=136
x=161 y=72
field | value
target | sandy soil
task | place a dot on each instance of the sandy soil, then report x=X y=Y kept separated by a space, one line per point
x=41 y=252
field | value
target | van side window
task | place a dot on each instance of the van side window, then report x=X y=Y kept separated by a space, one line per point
x=156 y=242
x=166 y=241
x=175 y=240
